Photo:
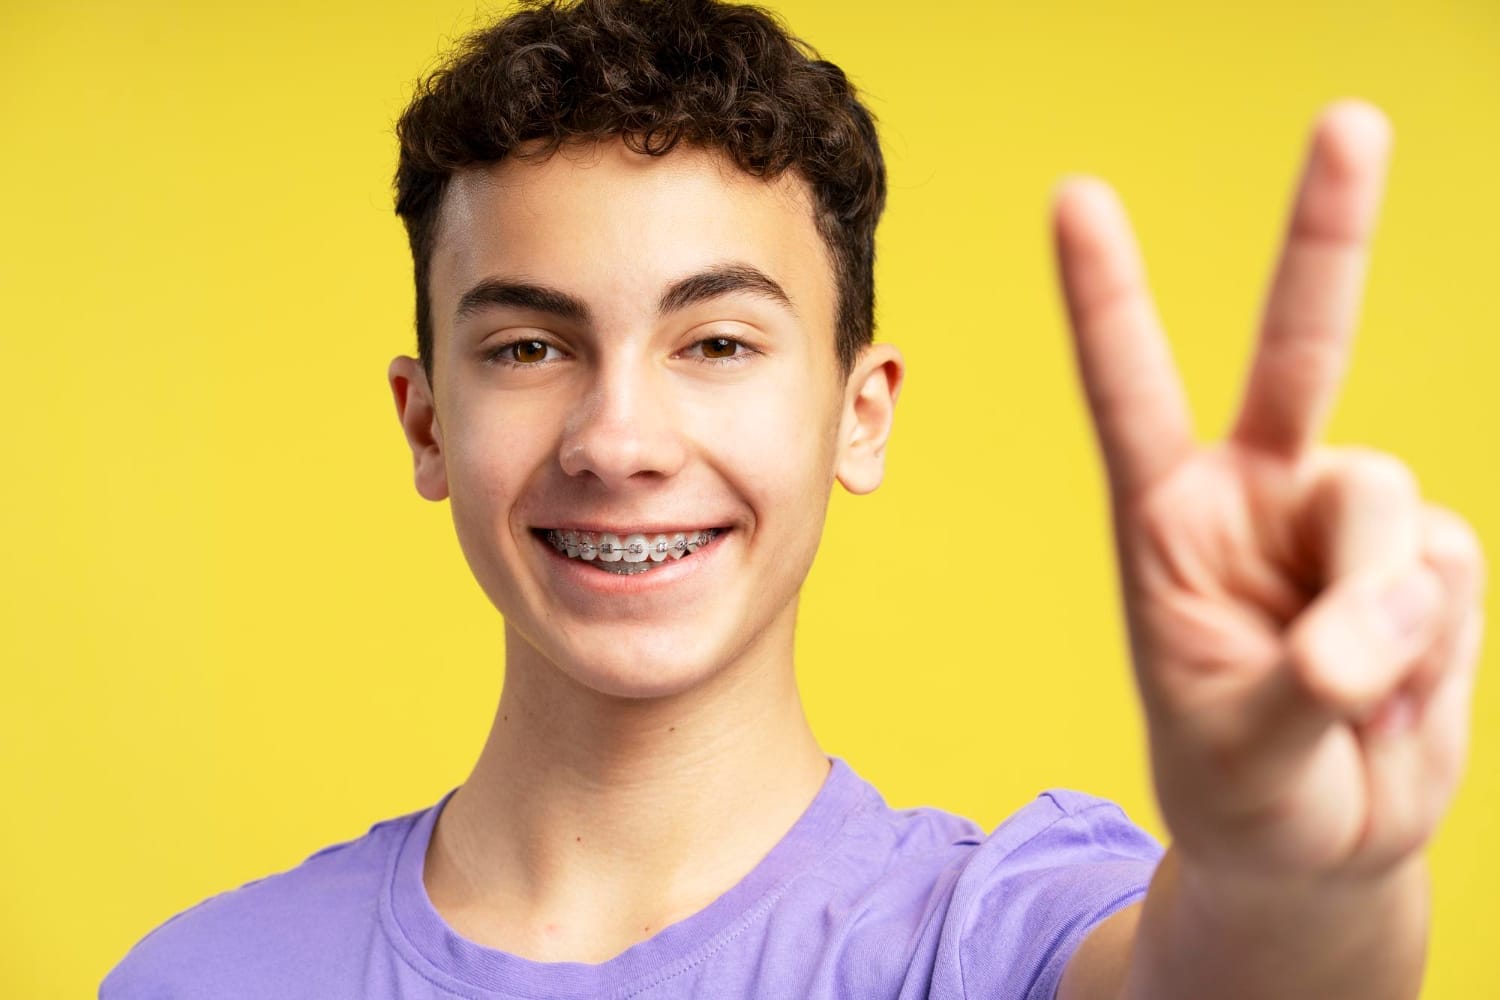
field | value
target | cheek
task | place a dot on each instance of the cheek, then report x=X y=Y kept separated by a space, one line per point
x=778 y=448
x=489 y=457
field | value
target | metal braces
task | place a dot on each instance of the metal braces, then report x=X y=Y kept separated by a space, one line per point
x=664 y=547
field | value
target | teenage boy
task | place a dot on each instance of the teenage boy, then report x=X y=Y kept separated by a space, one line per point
x=643 y=243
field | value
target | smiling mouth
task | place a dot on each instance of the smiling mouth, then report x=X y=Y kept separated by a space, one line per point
x=627 y=554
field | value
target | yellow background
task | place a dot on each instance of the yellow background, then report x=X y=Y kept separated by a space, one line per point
x=230 y=631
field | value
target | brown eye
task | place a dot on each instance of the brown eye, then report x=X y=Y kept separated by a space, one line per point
x=719 y=347
x=529 y=352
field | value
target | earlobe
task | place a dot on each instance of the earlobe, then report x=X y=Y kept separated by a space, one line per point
x=418 y=415
x=869 y=409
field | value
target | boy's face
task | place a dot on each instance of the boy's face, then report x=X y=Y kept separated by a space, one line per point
x=639 y=345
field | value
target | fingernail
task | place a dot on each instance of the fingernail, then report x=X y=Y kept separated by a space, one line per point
x=1066 y=179
x=1407 y=604
x=1392 y=717
x=1073 y=179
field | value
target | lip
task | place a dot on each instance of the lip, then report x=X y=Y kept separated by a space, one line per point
x=639 y=528
x=577 y=575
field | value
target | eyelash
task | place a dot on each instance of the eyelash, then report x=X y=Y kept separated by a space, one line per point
x=496 y=356
x=744 y=353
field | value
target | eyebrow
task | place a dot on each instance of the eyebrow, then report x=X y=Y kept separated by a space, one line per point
x=520 y=295
x=710 y=283
x=722 y=279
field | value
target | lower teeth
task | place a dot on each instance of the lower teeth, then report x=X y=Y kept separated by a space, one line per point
x=622 y=567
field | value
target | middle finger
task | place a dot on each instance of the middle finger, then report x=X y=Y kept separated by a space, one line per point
x=1310 y=312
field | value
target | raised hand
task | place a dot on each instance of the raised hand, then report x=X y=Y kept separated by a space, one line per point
x=1304 y=628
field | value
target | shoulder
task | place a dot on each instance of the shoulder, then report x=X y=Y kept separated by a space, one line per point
x=289 y=924
x=924 y=896
x=1062 y=826
x=1044 y=878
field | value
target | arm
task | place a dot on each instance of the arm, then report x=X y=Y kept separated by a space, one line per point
x=1304 y=629
x=1202 y=939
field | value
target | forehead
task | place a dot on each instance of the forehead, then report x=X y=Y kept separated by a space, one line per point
x=615 y=226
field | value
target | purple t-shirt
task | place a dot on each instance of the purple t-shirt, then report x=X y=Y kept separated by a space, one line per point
x=857 y=901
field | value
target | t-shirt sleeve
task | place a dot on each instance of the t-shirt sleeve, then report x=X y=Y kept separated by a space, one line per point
x=1032 y=892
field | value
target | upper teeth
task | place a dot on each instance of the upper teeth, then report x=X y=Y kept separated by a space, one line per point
x=609 y=547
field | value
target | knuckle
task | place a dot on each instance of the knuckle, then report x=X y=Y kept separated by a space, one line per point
x=1357 y=477
x=1451 y=542
x=1366 y=471
x=1450 y=531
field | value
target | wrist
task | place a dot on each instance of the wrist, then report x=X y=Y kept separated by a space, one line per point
x=1208 y=881
x=1352 y=907
x=1233 y=935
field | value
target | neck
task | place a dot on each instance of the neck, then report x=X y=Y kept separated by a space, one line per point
x=643 y=809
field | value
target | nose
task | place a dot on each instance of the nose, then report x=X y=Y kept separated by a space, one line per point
x=624 y=426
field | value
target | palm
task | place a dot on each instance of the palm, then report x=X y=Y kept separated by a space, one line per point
x=1289 y=733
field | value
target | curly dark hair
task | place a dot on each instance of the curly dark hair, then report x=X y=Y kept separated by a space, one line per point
x=726 y=77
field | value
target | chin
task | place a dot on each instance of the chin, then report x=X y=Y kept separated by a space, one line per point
x=656 y=666
x=641 y=676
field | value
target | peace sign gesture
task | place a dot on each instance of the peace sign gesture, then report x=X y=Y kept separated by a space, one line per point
x=1304 y=628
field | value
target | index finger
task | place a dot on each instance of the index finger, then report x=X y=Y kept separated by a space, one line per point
x=1140 y=412
x=1308 y=322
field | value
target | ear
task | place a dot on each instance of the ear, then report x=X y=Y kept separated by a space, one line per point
x=418 y=415
x=869 y=406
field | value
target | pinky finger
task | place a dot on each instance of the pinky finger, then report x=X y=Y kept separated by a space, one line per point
x=1450 y=548
x=1445 y=715
x=1417 y=751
